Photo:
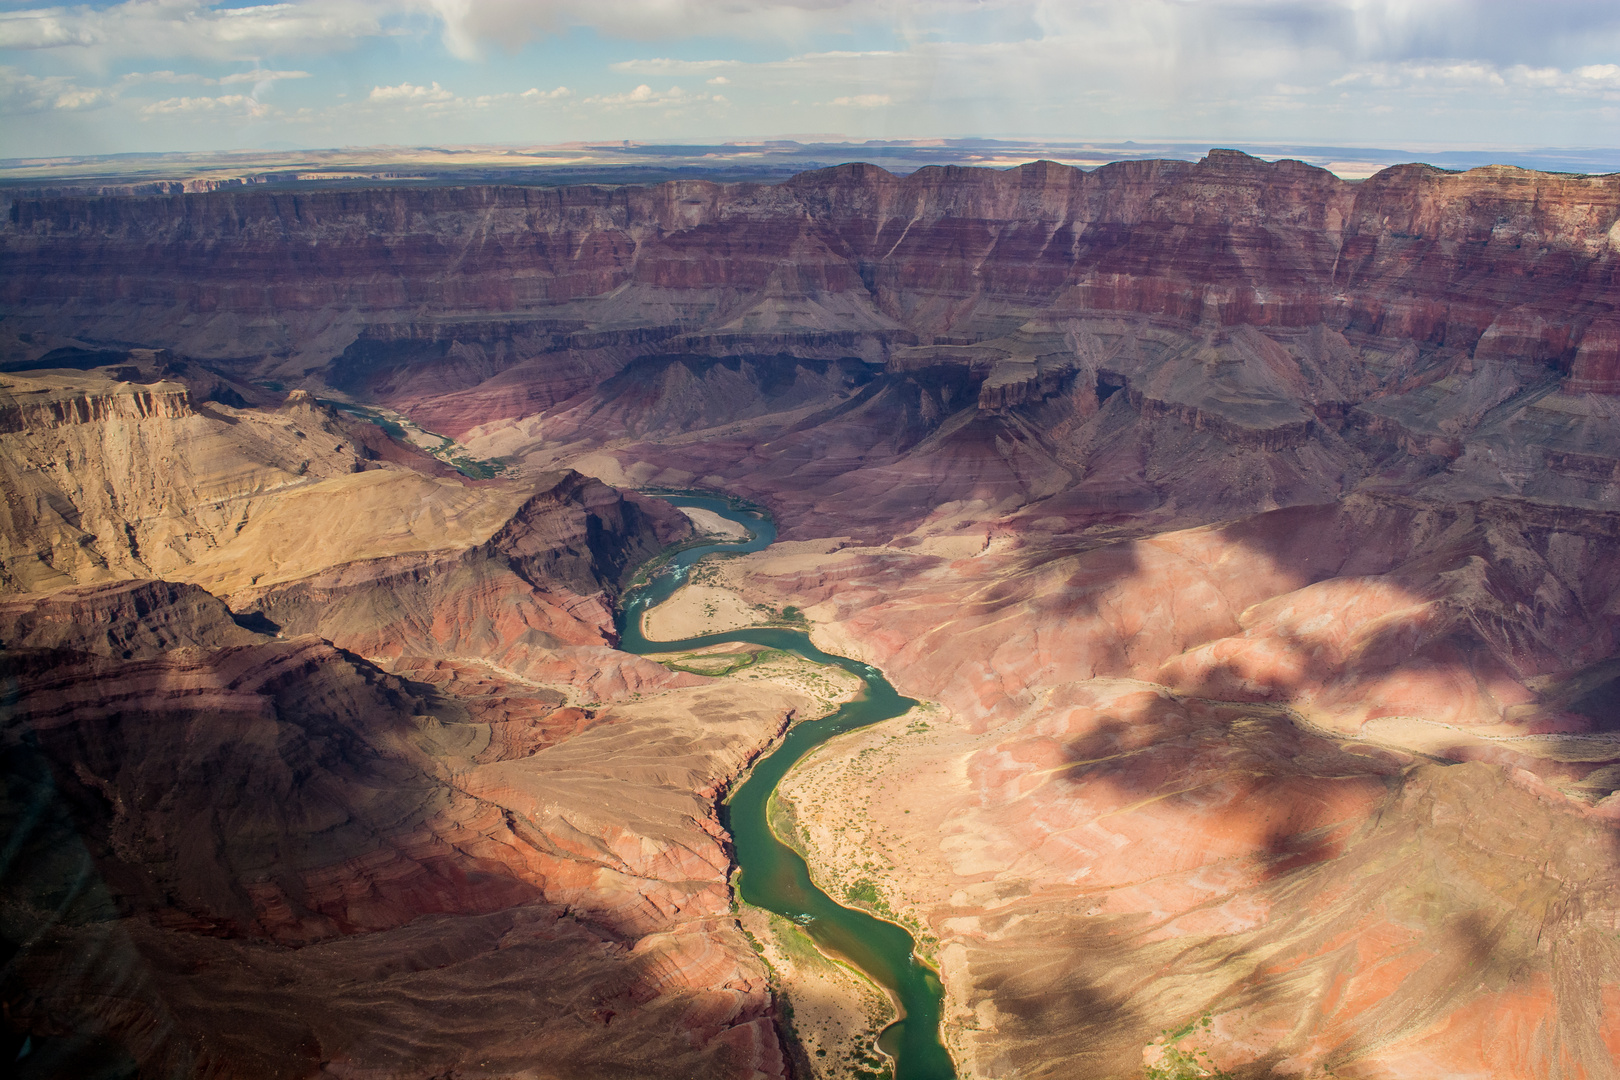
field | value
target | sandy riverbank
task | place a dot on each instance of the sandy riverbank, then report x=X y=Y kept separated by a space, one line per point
x=837 y=1012
x=851 y=809
x=740 y=662
x=712 y=524
x=714 y=599
x=702 y=609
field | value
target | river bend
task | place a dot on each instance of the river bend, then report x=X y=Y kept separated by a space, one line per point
x=772 y=875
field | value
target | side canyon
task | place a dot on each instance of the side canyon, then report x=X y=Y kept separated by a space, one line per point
x=1249 y=537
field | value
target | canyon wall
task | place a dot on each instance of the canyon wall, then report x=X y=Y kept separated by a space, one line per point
x=1413 y=253
x=1249 y=533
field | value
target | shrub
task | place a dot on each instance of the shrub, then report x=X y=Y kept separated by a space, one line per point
x=1178 y=1064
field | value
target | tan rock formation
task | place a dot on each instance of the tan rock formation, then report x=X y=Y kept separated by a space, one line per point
x=105 y=479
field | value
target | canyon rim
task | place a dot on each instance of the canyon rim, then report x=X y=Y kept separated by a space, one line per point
x=1249 y=539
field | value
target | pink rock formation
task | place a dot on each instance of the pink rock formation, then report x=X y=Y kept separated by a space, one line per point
x=1597 y=363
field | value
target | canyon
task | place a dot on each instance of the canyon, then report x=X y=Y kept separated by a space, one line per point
x=1249 y=536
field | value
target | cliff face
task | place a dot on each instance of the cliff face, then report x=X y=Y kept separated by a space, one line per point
x=1411 y=253
x=1252 y=532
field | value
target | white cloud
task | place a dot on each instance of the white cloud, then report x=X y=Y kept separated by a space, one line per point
x=1517 y=80
x=231 y=103
x=1383 y=80
x=259 y=77
x=1239 y=70
x=1388 y=31
x=864 y=101
x=441 y=102
x=45 y=30
x=665 y=66
x=134 y=78
x=197 y=28
x=641 y=95
x=469 y=24
x=645 y=96
x=21 y=92
x=1470 y=73
x=1499 y=32
x=415 y=95
x=1230 y=69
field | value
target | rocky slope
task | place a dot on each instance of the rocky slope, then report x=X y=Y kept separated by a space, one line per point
x=273 y=859
x=1252 y=535
x=1206 y=768
x=1126 y=859
x=279 y=858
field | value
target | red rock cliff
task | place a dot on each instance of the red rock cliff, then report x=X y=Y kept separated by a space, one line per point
x=1413 y=252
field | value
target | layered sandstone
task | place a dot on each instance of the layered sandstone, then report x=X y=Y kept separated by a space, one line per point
x=263 y=827
x=1597 y=363
x=107 y=479
x=828 y=260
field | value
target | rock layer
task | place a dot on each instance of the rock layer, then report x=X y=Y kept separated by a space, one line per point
x=828 y=259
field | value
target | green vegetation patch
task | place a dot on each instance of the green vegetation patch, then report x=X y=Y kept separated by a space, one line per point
x=475 y=469
x=721 y=664
x=1181 y=1064
x=447 y=451
x=783 y=818
x=795 y=943
x=862 y=891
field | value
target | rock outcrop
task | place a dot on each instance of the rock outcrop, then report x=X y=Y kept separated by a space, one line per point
x=123 y=619
x=258 y=822
x=1597 y=363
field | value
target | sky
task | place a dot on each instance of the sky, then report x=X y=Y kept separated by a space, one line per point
x=191 y=75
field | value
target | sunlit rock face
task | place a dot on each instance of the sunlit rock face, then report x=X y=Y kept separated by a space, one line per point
x=1255 y=533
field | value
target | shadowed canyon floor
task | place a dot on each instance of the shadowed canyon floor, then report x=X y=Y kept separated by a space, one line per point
x=1251 y=538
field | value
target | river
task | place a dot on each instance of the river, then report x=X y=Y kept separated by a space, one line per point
x=772 y=875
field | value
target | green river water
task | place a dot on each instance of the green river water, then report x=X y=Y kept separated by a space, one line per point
x=772 y=875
